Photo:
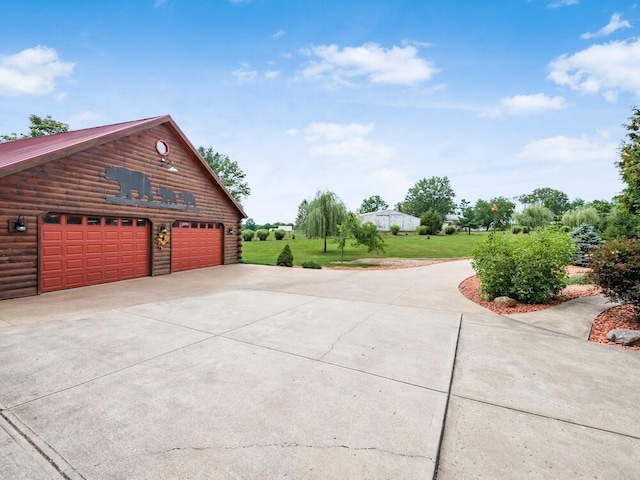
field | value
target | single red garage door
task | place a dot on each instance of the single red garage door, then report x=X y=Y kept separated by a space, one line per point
x=80 y=250
x=195 y=245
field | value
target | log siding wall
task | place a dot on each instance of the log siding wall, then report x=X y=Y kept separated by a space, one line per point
x=77 y=184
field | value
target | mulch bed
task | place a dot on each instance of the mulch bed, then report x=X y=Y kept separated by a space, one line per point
x=622 y=316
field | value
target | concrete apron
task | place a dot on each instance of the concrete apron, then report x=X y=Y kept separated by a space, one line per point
x=262 y=372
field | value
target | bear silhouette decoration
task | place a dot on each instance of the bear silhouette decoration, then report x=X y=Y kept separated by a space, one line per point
x=168 y=196
x=130 y=180
x=189 y=198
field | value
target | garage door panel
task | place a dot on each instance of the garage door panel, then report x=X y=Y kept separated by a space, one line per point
x=92 y=250
x=195 y=245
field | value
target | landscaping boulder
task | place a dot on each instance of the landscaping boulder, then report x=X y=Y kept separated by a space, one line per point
x=624 y=336
x=505 y=302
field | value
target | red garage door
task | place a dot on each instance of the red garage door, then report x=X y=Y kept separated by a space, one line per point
x=195 y=245
x=80 y=250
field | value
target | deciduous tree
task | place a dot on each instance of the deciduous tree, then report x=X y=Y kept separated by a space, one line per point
x=629 y=164
x=554 y=200
x=373 y=204
x=325 y=212
x=228 y=171
x=485 y=216
x=433 y=193
x=38 y=127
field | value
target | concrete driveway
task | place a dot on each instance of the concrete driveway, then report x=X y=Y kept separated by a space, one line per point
x=251 y=372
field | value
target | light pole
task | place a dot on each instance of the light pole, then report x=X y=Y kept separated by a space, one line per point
x=494 y=209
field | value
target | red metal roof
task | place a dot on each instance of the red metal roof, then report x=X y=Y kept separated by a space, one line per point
x=20 y=154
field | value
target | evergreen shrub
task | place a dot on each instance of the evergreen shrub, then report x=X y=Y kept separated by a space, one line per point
x=394 y=229
x=262 y=234
x=586 y=239
x=450 y=230
x=279 y=234
x=285 y=259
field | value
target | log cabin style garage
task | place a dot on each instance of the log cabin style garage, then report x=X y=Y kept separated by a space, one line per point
x=107 y=204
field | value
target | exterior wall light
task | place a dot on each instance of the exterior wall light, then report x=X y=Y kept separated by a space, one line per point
x=21 y=224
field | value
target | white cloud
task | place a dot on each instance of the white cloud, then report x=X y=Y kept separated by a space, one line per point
x=336 y=131
x=291 y=131
x=354 y=147
x=604 y=67
x=415 y=43
x=85 y=118
x=346 y=140
x=616 y=23
x=562 y=3
x=394 y=66
x=271 y=74
x=525 y=105
x=32 y=72
x=567 y=149
x=245 y=74
x=278 y=34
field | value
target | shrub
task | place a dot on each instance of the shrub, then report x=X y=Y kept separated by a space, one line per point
x=620 y=224
x=422 y=230
x=433 y=221
x=394 y=229
x=247 y=235
x=565 y=229
x=575 y=218
x=279 y=234
x=530 y=269
x=311 y=264
x=450 y=230
x=285 y=259
x=516 y=229
x=615 y=267
x=526 y=229
x=586 y=239
x=262 y=234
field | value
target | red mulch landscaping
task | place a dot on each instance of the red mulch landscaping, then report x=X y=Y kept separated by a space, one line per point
x=616 y=317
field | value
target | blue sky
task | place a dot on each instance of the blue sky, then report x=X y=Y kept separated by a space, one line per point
x=360 y=97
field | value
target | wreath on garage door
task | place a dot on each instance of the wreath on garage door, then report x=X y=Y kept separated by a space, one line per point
x=163 y=239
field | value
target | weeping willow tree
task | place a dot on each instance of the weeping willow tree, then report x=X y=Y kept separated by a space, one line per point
x=324 y=213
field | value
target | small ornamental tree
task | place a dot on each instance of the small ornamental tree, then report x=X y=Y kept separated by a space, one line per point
x=285 y=259
x=615 y=267
x=586 y=239
x=433 y=221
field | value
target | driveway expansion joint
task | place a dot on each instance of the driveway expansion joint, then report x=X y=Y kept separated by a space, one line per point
x=547 y=417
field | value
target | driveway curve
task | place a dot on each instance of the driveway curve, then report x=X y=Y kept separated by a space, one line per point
x=247 y=371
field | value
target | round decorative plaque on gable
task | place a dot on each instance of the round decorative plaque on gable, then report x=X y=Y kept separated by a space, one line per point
x=162 y=147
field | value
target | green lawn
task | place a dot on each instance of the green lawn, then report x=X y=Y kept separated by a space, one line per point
x=404 y=246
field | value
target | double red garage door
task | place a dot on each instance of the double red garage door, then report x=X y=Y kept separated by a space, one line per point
x=81 y=250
